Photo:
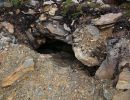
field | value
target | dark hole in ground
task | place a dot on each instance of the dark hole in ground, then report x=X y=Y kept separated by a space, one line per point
x=57 y=46
x=54 y=46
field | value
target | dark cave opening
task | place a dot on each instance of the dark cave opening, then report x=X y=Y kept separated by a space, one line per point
x=57 y=46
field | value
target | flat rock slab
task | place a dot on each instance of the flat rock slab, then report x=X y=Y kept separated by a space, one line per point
x=107 y=19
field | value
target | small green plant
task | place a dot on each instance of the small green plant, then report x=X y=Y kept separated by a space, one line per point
x=127 y=14
x=126 y=8
x=71 y=10
x=66 y=5
x=16 y=2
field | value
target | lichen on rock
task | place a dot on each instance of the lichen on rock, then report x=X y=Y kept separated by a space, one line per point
x=88 y=41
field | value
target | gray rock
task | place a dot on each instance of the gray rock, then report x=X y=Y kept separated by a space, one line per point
x=48 y=2
x=93 y=31
x=87 y=42
x=6 y=39
x=57 y=17
x=99 y=2
x=55 y=30
x=7 y=4
x=29 y=62
x=67 y=28
x=107 y=94
x=118 y=55
x=26 y=67
x=34 y=2
x=106 y=69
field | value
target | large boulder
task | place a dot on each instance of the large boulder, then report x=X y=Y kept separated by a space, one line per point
x=89 y=44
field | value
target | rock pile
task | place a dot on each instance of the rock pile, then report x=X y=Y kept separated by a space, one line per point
x=99 y=35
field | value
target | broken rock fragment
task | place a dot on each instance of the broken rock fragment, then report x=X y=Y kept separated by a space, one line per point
x=106 y=69
x=27 y=66
x=42 y=17
x=7 y=26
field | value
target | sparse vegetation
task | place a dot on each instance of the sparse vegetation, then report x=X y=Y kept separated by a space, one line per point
x=126 y=7
x=16 y=2
x=71 y=9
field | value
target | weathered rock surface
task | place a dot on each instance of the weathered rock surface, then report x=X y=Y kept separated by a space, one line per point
x=107 y=19
x=55 y=30
x=124 y=79
x=5 y=39
x=59 y=76
x=89 y=43
x=122 y=96
x=50 y=9
x=118 y=55
x=27 y=66
x=55 y=77
x=106 y=69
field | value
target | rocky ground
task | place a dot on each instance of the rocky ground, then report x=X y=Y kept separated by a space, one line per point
x=65 y=50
